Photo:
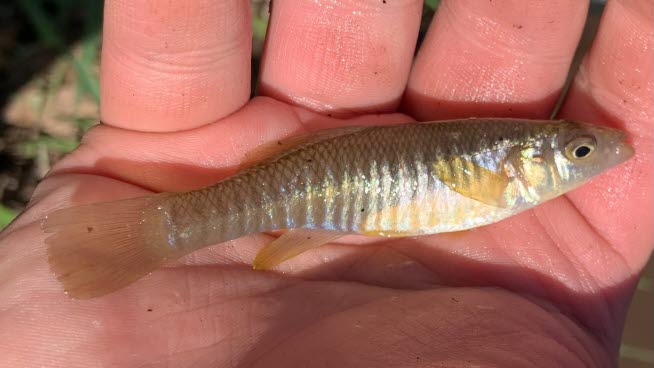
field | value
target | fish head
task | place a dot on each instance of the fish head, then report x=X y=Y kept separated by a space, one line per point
x=569 y=155
x=582 y=151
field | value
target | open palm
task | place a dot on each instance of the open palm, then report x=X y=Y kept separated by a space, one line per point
x=548 y=287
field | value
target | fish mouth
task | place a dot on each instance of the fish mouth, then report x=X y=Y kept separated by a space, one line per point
x=623 y=149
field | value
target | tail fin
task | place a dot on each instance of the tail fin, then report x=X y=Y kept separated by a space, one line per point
x=96 y=249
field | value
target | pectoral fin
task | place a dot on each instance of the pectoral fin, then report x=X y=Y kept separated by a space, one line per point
x=473 y=181
x=292 y=243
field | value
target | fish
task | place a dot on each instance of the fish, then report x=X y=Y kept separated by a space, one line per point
x=394 y=181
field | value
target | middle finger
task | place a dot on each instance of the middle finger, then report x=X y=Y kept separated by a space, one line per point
x=340 y=57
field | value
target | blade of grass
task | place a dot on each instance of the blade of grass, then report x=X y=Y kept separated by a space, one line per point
x=432 y=4
x=88 y=80
x=646 y=284
x=637 y=353
x=90 y=49
x=31 y=149
x=85 y=122
x=259 y=27
x=7 y=215
x=46 y=30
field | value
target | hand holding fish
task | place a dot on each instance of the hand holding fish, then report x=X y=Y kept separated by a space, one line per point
x=384 y=224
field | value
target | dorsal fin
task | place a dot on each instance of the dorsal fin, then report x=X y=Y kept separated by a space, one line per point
x=275 y=149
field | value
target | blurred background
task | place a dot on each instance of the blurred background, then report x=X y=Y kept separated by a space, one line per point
x=49 y=96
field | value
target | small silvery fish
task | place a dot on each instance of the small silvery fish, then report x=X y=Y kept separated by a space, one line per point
x=401 y=180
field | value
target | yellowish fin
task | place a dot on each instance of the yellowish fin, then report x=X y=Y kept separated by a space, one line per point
x=473 y=181
x=98 y=248
x=292 y=243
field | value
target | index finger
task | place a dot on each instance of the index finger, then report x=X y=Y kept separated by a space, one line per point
x=174 y=65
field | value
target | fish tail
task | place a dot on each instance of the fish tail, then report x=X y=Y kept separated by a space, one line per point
x=98 y=248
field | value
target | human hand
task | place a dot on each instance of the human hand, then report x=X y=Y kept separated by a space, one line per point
x=549 y=286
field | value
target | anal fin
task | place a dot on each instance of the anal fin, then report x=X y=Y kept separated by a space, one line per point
x=292 y=243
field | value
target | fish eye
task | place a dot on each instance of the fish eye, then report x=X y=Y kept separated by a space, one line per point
x=580 y=148
x=582 y=151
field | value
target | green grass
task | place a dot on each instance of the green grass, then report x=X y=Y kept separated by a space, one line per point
x=51 y=36
x=85 y=64
x=646 y=284
x=259 y=27
x=58 y=145
x=7 y=215
x=432 y=4
x=636 y=353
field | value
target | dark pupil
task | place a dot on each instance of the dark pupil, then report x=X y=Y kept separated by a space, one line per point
x=582 y=151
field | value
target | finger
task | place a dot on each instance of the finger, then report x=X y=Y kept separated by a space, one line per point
x=494 y=58
x=340 y=57
x=615 y=86
x=174 y=65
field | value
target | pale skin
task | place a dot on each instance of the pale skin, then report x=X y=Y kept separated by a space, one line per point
x=549 y=287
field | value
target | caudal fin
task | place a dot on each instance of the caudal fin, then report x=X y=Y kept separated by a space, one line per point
x=98 y=248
